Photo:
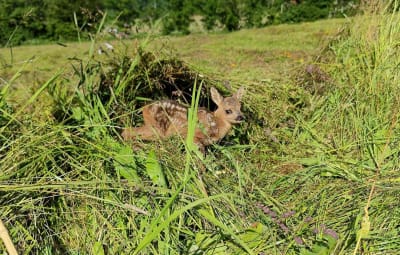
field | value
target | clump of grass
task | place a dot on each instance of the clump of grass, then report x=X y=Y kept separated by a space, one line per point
x=361 y=108
x=350 y=131
x=124 y=82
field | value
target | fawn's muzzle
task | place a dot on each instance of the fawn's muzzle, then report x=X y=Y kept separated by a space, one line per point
x=240 y=118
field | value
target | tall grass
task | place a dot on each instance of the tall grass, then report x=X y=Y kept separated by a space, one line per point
x=352 y=130
x=70 y=185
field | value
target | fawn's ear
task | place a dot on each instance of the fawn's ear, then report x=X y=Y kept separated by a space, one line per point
x=216 y=97
x=239 y=93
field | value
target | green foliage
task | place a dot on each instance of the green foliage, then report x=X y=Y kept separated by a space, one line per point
x=154 y=170
x=64 y=20
x=324 y=246
x=256 y=13
x=20 y=21
x=178 y=18
x=305 y=11
x=27 y=20
x=225 y=13
x=126 y=10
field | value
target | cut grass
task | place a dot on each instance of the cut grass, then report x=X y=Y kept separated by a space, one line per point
x=317 y=174
x=245 y=56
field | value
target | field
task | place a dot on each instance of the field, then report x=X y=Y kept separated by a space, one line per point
x=313 y=170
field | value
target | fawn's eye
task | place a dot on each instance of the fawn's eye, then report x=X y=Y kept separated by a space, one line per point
x=228 y=111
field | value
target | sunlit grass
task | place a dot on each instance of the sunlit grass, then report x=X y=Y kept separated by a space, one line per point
x=314 y=170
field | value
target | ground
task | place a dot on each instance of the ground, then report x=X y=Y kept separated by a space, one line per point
x=314 y=170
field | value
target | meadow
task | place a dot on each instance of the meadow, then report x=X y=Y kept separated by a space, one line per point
x=313 y=170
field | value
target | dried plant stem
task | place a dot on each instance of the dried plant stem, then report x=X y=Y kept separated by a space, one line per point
x=7 y=239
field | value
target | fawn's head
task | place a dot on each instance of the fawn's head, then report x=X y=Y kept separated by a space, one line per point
x=228 y=107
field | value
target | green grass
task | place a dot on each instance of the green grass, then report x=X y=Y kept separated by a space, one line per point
x=314 y=170
x=264 y=52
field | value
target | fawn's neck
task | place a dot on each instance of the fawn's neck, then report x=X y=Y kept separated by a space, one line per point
x=222 y=125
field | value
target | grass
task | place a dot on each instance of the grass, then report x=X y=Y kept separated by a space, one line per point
x=314 y=170
x=250 y=50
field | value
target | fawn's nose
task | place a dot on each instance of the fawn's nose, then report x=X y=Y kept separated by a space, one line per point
x=240 y=118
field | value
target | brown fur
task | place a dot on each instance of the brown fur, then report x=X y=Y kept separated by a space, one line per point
x=165 y=118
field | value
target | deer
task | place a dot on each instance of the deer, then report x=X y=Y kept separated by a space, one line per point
x=166 y=118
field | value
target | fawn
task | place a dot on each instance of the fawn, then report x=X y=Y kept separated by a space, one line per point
x=165 y=118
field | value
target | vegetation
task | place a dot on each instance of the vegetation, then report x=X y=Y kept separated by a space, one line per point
x=65 y=20
x=314 y=170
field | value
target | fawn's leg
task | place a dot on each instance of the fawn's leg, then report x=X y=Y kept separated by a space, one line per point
x=148 y=131
x=200 y=139
x=144 y=133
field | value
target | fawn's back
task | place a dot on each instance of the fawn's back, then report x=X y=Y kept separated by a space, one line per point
x=165 y=118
